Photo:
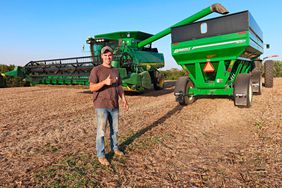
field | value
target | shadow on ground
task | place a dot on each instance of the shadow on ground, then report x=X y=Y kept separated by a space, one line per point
x=141 y=132
x=156 y=123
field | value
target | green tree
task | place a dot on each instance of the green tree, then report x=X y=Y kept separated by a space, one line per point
x=8 y=81
x=173 y=74
x=6 y=68
x=277 y=69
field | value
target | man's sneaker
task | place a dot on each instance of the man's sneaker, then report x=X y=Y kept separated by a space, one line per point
x=104 y=161
x=119 y=153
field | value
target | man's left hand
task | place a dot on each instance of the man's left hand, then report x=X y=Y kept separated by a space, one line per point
x=125 y=105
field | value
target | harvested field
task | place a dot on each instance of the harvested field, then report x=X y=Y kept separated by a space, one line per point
x=47 y=137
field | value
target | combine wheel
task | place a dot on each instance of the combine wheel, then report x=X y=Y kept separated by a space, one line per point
x=182 y=86
x=160 y=83
x=256 y=82
x=268 y=73
x=243 y=93
x=158 y=80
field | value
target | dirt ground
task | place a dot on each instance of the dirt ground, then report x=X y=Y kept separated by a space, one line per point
x=47 y=138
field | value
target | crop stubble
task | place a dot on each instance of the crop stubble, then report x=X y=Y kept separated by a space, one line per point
x=209 y=143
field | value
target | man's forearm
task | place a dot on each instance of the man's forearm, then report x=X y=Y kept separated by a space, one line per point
x=121 y=93
x=96 y=87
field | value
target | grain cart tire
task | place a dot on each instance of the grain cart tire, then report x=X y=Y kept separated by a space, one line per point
x=268 y=73
x=243 y=93
x=181 y=91
x=256 y=82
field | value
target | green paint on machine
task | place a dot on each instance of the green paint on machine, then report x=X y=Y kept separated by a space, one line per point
x=213 y=52
x=230 y=50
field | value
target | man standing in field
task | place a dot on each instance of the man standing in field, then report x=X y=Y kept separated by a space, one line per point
x=105 y=83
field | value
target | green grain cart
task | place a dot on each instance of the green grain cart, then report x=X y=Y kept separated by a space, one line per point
x=221 y=57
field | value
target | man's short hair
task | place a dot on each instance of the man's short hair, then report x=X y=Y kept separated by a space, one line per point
x=106 y=49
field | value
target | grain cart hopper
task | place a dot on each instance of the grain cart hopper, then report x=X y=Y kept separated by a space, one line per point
x=220 y=57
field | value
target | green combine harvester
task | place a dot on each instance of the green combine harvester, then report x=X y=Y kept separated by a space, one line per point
x=137 y=61
x=138 y=65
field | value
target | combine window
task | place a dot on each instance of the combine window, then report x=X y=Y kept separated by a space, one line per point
x=149 y=48
x=97 y=45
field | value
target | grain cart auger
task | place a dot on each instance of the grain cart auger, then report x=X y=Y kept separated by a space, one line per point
x=134 y=56
x=221 y=57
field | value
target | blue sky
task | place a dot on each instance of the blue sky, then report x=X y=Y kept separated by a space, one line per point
x=38 y=29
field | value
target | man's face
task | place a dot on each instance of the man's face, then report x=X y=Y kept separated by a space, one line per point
x=107 y=58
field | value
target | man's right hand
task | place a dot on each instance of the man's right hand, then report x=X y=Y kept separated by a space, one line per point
x=108 y=81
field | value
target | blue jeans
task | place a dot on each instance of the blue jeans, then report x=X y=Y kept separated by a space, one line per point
x=104 y=114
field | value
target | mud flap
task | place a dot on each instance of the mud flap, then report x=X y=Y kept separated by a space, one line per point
x=243 y=90
x=256 y=78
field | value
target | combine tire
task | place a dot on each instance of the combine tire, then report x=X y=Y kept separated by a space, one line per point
x=257 y=82
x=243 y=93
x=268 y=73
x=182 y=89
x=157 y=79
x=159 y=84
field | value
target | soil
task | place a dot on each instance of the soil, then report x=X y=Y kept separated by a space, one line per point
x=47 y=138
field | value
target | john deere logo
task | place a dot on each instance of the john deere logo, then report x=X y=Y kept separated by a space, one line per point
x=182 y=50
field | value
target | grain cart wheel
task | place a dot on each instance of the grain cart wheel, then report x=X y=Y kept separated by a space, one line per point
x=268 y=73
x=181 y=91
x=243 y=93
x=256 y=82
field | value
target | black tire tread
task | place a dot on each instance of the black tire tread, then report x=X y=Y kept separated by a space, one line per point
x=268 y=74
